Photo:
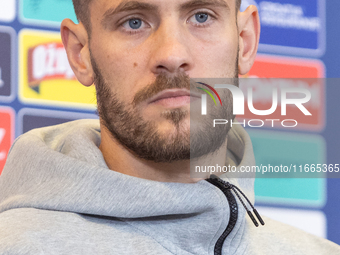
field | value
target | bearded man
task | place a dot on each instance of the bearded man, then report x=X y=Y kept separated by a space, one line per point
x=122 y=185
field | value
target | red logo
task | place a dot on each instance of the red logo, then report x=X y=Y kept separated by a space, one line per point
x=48 y=62
x=295 y=73
x=285 y=67
x=6 y=134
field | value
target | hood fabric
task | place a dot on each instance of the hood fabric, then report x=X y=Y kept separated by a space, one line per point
x=57 y=196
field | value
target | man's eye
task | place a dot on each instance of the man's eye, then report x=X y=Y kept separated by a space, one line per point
x=133 y=24
x=201 y=17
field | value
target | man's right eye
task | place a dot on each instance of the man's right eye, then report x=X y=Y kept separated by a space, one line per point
x=133 y=24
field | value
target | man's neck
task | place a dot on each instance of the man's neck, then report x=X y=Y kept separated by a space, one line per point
x=121 y=160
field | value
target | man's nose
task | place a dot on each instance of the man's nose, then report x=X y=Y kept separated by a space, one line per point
x=171 y=50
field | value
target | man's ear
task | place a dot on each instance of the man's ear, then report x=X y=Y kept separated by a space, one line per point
x=249 y=36
x=75 y=40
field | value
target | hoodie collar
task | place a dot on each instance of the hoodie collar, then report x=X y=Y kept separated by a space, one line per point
x=61 y=168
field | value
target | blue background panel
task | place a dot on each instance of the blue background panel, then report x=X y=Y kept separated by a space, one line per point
x=5 y=64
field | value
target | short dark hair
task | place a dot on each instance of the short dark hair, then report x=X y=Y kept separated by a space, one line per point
x=238 y=4
x=81 y=8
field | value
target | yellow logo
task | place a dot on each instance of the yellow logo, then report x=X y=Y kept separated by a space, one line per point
x=45 y=74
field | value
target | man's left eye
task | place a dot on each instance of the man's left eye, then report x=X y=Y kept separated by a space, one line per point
x=135 y=23
x=201 y=17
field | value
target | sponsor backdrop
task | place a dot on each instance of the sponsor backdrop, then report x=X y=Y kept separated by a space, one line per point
x=299 y=39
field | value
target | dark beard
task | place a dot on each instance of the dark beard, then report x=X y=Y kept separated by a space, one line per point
x=142 y=138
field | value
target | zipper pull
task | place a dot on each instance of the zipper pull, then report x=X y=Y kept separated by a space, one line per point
x=237 y=191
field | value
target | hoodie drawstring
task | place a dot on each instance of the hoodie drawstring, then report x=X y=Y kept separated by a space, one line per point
x=237 y=191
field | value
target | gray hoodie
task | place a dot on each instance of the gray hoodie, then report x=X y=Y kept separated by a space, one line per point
x=57 y=196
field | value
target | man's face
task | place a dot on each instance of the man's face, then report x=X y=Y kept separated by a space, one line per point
x=143 y=53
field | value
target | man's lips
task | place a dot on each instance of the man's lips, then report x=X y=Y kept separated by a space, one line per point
x=174 y=98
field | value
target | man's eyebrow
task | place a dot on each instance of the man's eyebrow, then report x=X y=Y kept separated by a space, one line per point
x=127 y=5
x=202 y=3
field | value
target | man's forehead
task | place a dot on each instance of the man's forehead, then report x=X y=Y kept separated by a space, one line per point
x=157 y=4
